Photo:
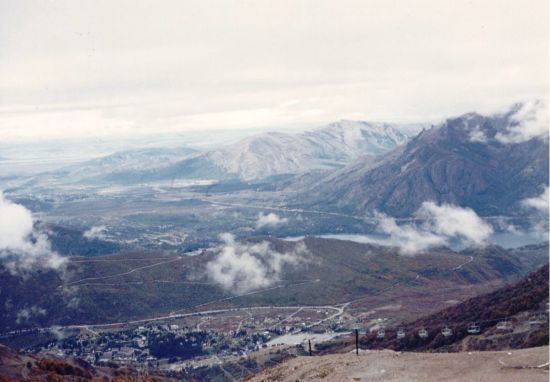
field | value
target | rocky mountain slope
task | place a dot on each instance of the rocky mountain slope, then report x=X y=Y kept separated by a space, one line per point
x=330 y=147
x=512 y=317
x=516 y=304
x=464 y=161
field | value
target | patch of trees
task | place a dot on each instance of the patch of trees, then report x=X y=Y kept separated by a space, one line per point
x=169 y=345
x=62 y=368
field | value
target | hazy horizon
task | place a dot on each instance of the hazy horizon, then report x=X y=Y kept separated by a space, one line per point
x=120 y=69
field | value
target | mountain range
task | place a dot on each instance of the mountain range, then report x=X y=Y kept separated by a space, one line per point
x=328 y=148
x=356 y=167
x=256 y=157
x=463 y=161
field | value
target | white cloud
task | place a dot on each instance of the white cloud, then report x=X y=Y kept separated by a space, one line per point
x=21 y=245
x=453 y=221
x=270 y=220
x=96 y=232
x=243 y=267
x=440 y=225
x=539 y=223
x=535 y=225
x=408 y=238
x=539 y=202
x=476 y=135
x=528 y=122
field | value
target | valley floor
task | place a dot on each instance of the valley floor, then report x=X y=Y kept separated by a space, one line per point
x=502 y=366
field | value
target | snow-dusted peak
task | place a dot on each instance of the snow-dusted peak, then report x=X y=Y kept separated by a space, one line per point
x=329 y=147
x=372 y=137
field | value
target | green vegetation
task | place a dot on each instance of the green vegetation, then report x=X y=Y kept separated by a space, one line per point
x=334 y=272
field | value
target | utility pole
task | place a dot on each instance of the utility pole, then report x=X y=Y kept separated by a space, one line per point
x=309 y=343
x=356 y=341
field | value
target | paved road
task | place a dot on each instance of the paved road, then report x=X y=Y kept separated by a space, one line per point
x=339 y=309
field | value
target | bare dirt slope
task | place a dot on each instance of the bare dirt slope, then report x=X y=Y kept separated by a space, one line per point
x=386 y=365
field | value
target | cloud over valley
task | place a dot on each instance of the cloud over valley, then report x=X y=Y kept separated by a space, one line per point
x=22 y=245
x=242 y=267
x=270 y=220
x=438 y=225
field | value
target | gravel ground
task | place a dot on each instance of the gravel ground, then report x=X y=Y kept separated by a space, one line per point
x=502 y=366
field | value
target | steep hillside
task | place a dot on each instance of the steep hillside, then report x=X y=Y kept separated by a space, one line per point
x=516 y=303
x=19 y=366
x=464 y=161
x=523 y=306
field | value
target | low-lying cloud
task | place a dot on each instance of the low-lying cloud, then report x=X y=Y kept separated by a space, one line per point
x=270 y=220
x=242 y=267
x=540 y=202
x=530 y=121
x=441 y=224
x=96 y=232
x=538 y=224
x=22 y=246
x=477 y=135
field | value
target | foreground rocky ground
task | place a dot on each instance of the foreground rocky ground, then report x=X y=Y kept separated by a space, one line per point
x=386 y=365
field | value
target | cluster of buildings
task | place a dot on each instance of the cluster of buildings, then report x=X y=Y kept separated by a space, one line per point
x=155 y=346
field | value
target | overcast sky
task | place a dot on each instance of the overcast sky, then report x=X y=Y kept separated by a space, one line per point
x=100 y=68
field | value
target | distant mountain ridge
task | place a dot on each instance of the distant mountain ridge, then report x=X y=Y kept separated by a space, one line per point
x=327 y=148
x=275 y=153
x=129 y=165
x=256 y=157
